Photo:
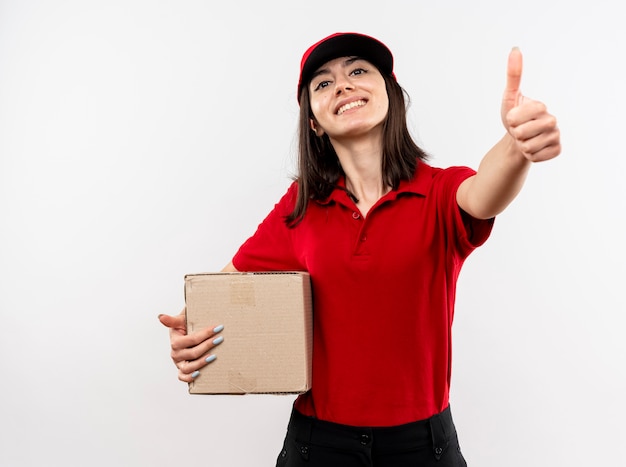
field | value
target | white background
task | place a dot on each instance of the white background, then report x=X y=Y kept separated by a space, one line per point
x=143 y=140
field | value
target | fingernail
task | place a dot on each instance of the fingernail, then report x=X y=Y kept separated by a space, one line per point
x=195 y=374
x=210 y=358
x=218 y=340
x=219 y=328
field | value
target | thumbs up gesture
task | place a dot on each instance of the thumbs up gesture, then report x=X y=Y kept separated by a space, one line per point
x=533 y=129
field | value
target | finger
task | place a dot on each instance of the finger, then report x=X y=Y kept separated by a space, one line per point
x=514 y=71
x=527 y=110
x=545 y=146
x=534 y=136
x=188 y=377
x=545 y=154
x=180 y=342
x=532 y=128
x=512 y=95
x=174 y=322
x=191 y=353
x=188 y=370
x=189 y=367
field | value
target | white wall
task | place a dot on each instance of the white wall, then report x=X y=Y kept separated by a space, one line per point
x=143 y=140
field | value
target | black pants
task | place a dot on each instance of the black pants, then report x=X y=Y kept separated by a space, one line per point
x=425 y=443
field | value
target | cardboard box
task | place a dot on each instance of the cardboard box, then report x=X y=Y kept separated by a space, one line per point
x=268 y=331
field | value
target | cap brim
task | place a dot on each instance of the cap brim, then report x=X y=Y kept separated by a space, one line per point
x=346 y=45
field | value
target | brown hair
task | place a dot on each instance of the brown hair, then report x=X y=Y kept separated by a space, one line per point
x=318 y=165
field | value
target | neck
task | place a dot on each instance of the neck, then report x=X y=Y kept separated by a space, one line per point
x=361 y=161
x=366 y=190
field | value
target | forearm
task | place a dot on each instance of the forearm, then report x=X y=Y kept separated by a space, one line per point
x=498 y=180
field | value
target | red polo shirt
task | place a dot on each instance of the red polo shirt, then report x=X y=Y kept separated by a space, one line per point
x=383 y=293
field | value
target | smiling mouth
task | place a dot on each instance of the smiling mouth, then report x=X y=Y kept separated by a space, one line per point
x=351 y=105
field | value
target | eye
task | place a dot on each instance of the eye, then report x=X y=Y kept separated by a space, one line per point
x=321 y=85
x=358 y=71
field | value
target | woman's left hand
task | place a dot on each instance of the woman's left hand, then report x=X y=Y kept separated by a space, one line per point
x=533 y=129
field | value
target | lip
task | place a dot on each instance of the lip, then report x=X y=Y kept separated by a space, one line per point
x=340 y=104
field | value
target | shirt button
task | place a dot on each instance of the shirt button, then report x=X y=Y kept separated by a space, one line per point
x=438 y=451
x=355 y=215
x=363 y=238
x=365 y=439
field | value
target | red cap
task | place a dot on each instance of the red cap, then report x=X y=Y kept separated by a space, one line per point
x=344 y=44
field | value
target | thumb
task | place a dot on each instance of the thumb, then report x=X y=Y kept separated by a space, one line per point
x=511 y=95
x=173 y=322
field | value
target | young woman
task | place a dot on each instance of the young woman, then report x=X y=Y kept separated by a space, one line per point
x=383 y=236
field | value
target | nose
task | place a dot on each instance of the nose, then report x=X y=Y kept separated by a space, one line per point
x=342 y=84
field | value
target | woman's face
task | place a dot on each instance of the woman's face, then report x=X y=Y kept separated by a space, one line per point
x=348 y=98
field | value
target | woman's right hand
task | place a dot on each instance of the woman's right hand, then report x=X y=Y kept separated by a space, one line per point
x=190 y=352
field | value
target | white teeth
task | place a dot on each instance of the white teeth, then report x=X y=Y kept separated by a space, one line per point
x=349 y=106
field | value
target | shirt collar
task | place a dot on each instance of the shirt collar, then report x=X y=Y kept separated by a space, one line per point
x=419 y=185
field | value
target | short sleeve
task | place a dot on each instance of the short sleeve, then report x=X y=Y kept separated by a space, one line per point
x=270 y=248
x=469 y=232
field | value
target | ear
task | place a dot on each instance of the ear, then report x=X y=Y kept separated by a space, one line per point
x=318 y=130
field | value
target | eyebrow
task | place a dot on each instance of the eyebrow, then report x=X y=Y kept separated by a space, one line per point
x=348 y=62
